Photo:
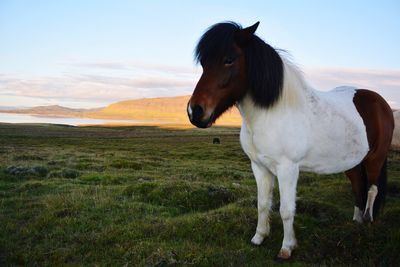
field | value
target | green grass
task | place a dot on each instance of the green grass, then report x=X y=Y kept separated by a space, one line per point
x=147 y=196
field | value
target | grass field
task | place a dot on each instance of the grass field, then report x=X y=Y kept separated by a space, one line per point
x=147 y=196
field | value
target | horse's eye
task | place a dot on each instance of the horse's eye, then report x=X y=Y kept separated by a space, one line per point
x=229 y=61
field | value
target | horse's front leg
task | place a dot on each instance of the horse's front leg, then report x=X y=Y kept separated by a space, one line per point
x=288 y=174
x=265 y=185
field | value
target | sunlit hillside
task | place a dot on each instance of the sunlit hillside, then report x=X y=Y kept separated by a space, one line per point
x=163 y=109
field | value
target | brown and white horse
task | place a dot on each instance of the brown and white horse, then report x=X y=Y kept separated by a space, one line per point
x=288 y=126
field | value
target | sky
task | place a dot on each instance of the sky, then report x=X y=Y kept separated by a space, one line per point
x=86 y=53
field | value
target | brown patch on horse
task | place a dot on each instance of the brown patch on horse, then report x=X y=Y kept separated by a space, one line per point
x=379 y=123
x=378 y=119
x=219 y=87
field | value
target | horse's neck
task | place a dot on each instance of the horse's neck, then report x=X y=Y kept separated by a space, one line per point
x=294 y=98
x=295 y=90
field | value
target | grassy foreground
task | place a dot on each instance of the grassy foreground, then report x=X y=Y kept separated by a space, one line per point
x=146 y=196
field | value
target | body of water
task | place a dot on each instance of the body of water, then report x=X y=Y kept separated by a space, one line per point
x=25 y=118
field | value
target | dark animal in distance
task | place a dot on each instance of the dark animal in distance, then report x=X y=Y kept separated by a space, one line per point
x=216 y=141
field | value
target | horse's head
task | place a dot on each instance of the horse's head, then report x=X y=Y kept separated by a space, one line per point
x=221 y=53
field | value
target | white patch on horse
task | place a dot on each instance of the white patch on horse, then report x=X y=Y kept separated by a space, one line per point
x=372 y=193
x=190 y=112
x=357 y=215
x=338 y=132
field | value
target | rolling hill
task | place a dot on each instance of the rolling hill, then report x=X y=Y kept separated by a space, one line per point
x=162 y=109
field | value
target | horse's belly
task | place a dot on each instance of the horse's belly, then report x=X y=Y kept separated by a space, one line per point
x=333 y=161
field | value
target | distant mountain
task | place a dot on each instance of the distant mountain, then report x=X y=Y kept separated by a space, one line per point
x=53 y=110
x=7 y=108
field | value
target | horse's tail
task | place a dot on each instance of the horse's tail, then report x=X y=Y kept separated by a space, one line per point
x=382 y=187
x=364 y=183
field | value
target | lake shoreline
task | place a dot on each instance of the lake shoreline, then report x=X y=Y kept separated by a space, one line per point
x=29 y=119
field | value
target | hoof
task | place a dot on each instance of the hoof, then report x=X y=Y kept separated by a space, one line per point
x=257 y=239
x=283 y=255
x=367 y=217
x=358 y=220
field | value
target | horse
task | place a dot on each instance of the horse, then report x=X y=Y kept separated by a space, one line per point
x=287 y=126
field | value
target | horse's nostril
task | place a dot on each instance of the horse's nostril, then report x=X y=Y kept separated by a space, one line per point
x=197 y=112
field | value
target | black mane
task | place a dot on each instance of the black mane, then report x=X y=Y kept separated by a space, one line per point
x=264 y=65
x=215 y=42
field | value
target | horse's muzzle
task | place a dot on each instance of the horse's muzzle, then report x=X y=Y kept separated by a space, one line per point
x=196 y=115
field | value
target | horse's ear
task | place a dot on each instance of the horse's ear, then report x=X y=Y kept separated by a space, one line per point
x=252 y=29
x=243 y=36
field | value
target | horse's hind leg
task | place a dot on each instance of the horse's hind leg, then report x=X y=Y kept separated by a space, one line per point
x=365 y=180
x=359 y=186
x=379 y=124
x=265 y=185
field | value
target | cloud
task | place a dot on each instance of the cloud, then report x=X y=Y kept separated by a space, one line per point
x=92 y=87
x=385 y=82
x=99 y=86
x=358 y=77
x=107 y=82
x=100 y=65
x=135 y=66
